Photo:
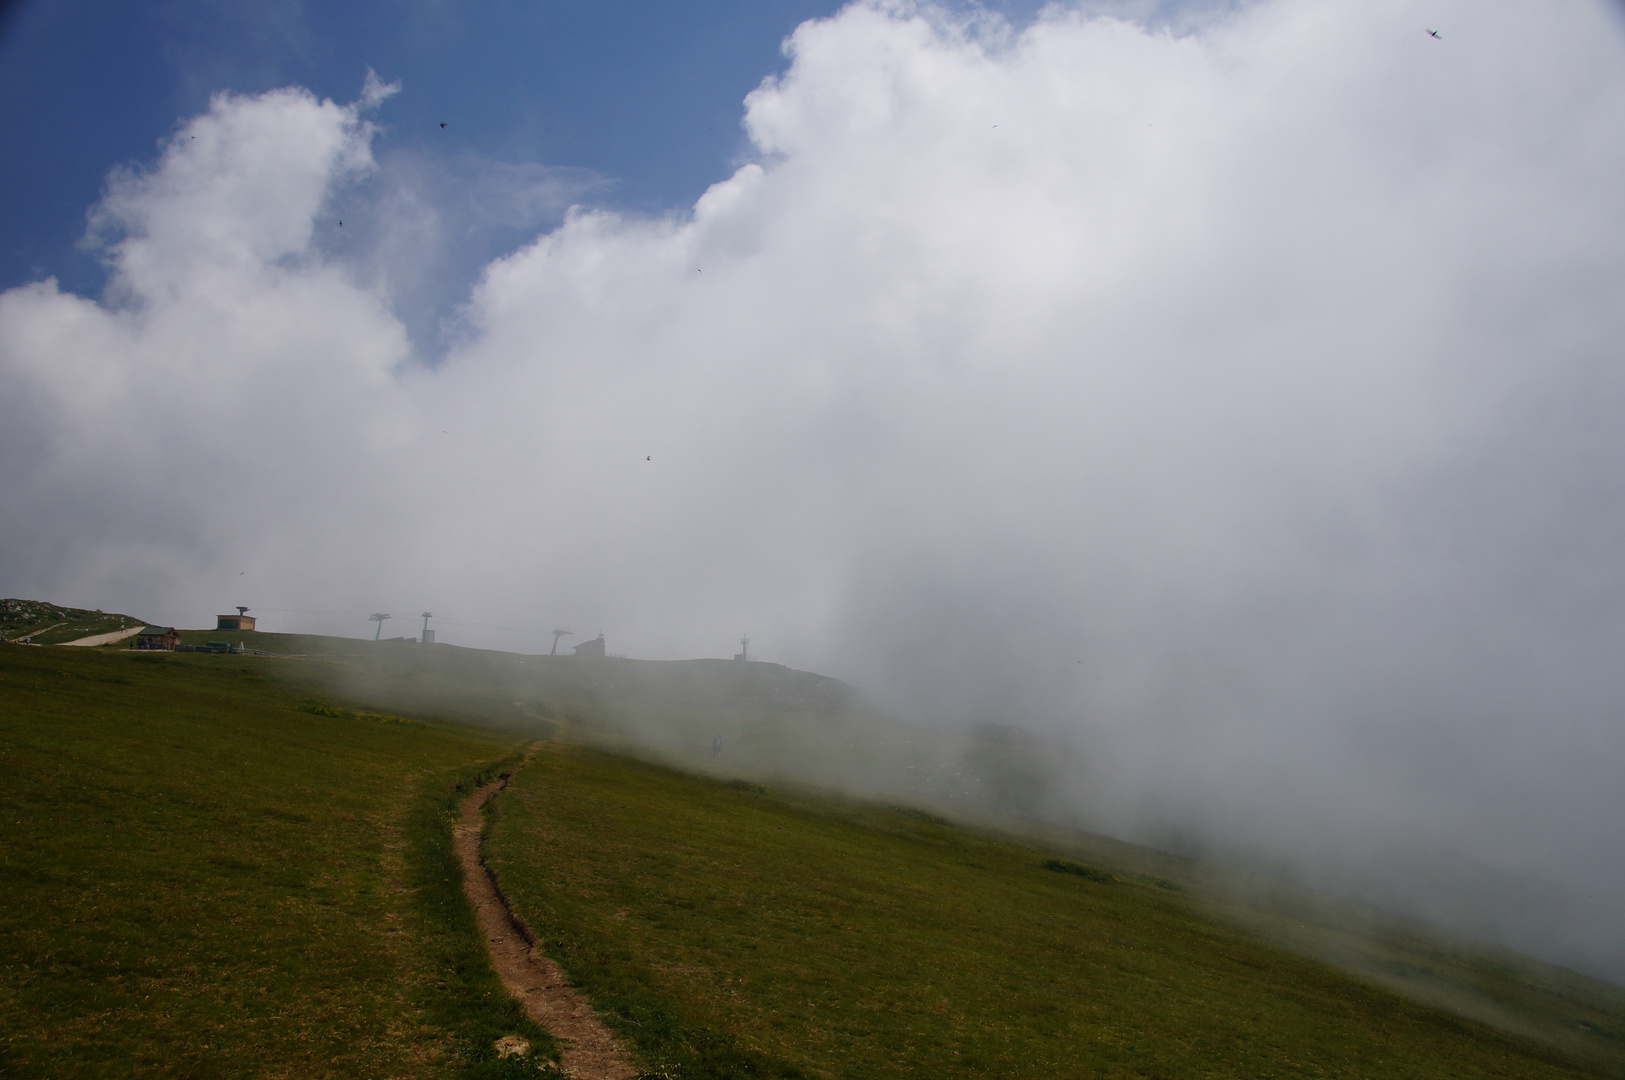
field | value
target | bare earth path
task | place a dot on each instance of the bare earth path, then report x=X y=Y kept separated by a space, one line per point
x=590 y=1052
x=106 y=639
x=31 y=633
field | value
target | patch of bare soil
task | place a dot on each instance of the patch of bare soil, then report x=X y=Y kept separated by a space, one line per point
x=108 y=638
x=589 y=1051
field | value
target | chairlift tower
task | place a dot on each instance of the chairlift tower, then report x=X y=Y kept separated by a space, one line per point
x=428 y=635
x=558 y=634
x=378 y=617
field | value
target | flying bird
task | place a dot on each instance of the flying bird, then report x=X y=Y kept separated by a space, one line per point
x=442 y=123
x=1436 y=34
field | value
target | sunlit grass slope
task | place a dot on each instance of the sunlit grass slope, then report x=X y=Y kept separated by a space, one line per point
x=732 y=931
x=204 y=874
x=52 y=624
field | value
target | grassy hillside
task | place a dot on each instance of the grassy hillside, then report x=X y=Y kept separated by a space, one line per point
x=204 y=873
x=297 y=802
x=50 y=624
x=1579 y=1016
x=738 y=932
x=797 y=731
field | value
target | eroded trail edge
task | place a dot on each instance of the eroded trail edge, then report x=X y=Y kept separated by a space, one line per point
x=589 y=1051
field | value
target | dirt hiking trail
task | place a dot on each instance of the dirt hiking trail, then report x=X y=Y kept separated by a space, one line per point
x=589 y=1051
x=106 y=639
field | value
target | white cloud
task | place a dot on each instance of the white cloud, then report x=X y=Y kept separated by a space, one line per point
x=1239 y=402
x=375 y=91
x=229 y=389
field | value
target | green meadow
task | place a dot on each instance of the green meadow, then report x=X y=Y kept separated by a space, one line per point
x=204 y=874
x=240 y=865
x=732 y=931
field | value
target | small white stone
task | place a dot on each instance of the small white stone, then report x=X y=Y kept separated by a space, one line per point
x=512 y=1046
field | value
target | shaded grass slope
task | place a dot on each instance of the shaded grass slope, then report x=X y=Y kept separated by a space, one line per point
x=730 y=931
x=203 y=873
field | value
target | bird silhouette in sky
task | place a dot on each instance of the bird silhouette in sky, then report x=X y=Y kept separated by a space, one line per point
x=442 y=123
x=1435 y=34
x=649 y=458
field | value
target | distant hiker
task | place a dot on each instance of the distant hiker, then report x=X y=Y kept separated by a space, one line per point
x=716 y=744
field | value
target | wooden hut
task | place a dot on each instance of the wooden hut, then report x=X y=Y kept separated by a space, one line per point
x=158 y=637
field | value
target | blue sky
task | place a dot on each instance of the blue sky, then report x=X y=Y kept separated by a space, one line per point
x=647 y=95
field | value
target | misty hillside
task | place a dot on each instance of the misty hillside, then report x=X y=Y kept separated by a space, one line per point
x=753 y=719
x=745 y=718
x=749 y=723
x=552 y=683
x=730 y=683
